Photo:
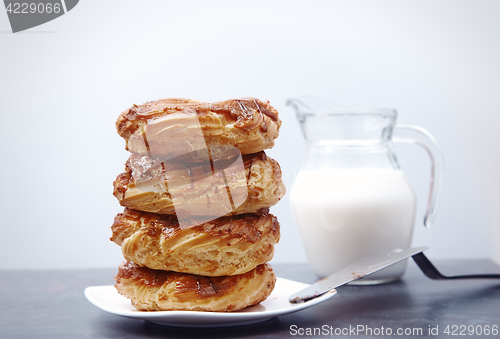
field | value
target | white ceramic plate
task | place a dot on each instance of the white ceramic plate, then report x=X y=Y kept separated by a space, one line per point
x=109 y=300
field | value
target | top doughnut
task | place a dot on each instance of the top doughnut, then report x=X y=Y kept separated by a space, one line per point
x=173 y=127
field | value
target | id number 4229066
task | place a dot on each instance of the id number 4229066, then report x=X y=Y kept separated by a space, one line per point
x=25 y=8
x=471 y=330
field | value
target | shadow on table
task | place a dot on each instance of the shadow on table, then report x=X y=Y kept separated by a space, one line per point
x=124 y=328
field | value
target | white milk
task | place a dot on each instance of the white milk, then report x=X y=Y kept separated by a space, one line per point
x=346 y=214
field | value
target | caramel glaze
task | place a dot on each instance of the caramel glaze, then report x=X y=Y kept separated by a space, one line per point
x=146 y=276
x=145 y=112
x=143 y=168
x=241 y=227
x=242 y=111
x=187 y=286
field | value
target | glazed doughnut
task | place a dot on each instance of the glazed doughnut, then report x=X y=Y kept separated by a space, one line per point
x=225 y=246
x=152 y=290
x=172 y=127
x=155 y=186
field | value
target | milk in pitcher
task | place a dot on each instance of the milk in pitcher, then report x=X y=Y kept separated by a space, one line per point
x=347 y=213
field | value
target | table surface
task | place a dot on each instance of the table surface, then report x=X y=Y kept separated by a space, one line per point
x=51 y=304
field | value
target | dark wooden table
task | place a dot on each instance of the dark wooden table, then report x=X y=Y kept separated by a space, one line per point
x=51 y=304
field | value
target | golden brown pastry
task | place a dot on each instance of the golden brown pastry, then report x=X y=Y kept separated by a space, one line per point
x=156 y=186
x=173 y=127
x=225 y=246
x=152 y=290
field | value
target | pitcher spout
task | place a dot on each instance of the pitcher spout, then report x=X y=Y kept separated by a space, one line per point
x=312 y=105
x=299 y=106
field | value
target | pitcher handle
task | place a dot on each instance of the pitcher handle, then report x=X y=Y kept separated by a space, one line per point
x=418 y=135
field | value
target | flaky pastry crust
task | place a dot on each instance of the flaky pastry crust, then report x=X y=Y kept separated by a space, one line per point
x=151 y=290
x=225 y=246
x=146 y=185
x=159 y=128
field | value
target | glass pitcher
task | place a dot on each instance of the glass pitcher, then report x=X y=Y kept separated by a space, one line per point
x=350 y=198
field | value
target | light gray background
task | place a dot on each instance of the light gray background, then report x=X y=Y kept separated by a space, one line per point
x=64 y=84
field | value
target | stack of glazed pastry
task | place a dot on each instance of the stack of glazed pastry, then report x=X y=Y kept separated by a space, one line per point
x=196 y=230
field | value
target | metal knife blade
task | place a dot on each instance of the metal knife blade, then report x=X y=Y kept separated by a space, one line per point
x=358 y=270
